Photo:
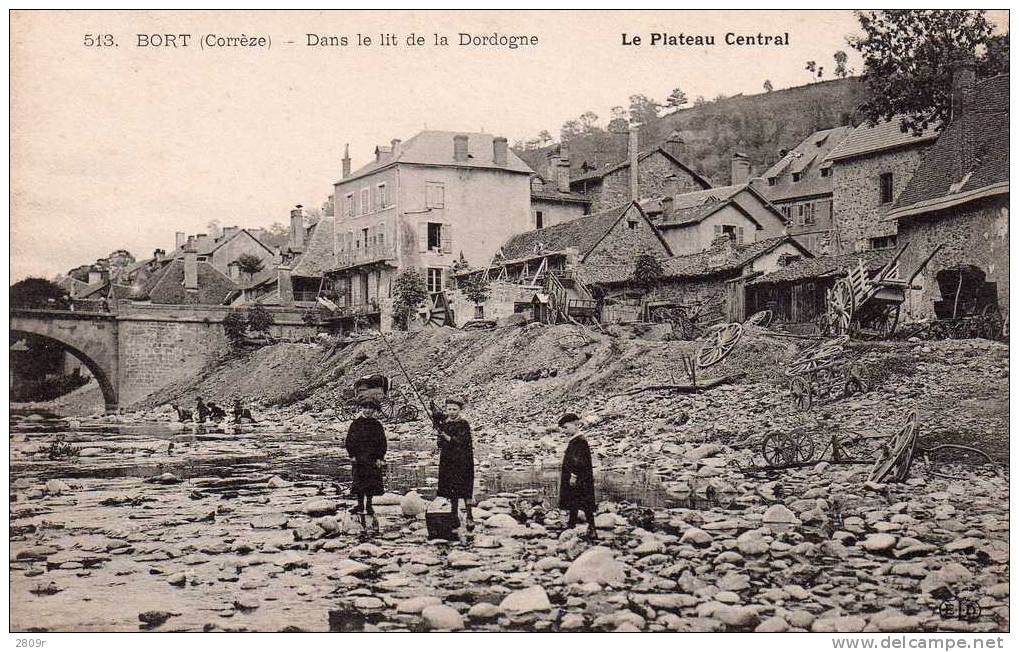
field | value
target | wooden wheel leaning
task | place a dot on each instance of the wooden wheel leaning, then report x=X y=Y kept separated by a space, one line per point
x=840 y=308
x=719 y=345
x=800 y=389
x=897 y=455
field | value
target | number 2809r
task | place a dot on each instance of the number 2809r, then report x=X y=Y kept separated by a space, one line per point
x=30 y=642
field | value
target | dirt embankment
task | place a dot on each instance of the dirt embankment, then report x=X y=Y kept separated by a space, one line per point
x=529 y=375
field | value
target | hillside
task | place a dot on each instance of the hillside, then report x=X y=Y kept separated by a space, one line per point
x=758 y=125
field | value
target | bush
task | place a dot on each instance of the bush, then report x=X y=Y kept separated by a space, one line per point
x=250 y=264
x=235 y=325
x=259 y=319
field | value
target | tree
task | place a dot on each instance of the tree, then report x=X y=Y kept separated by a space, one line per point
x=475 y=288
x=677 y=98
x=259 y=319
x=908 y=56
x=647 y=272
x=235 y=325
x=811 y=67
x=588 y=121
x=250 y=264
x=544 y=138
x=409 y=292
x=570 y=130
x=767 y=86
x=277 y=235
x=35 y=292
x=840 y=64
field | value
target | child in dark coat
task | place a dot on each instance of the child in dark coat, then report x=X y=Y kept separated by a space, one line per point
x=366 y=445
x=456 y=458
x=576 y=482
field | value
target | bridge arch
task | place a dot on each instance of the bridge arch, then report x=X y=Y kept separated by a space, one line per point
x=92 y=339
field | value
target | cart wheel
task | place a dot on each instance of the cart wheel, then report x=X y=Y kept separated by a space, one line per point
x=897 y=454
x=775 y=448
x=719 y=345
x=762 y=319
x=799 y=387
x=407 y=413
x=841 y=306
x=802 y=447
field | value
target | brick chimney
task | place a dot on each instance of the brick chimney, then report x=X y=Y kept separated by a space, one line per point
x=632 y=149
x=285 y=285
x=562 y=171
x=191 y=270
x=95 y=275
x=179 y=239
x=460 y=148
x=667 y=202
x=499 y=148
x=740 y=168
x=395 y=147
x=228 y=232
x=235 y=270
x=297 y=227
x=346 y=161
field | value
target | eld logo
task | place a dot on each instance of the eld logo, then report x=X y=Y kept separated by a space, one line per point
x=959 y=609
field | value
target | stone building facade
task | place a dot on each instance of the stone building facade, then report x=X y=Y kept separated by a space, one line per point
x=657 y=171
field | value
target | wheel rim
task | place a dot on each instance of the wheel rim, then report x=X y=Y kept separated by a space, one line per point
x=719 y=345
x=900 y=452
x=840 y=307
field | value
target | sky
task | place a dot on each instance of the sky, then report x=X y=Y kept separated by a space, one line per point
x=120 y=147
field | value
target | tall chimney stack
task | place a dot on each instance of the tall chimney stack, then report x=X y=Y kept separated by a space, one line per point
x=180 y=239
x=634 y=180
x=395 y=147
x=562 y=172
x=499 y=148
x=740 y=168
x=191 y=270
x=346 y=160
x=460 y=148
x=285 y=285
x=297 y=227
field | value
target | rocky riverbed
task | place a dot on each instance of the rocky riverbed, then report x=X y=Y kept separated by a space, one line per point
x=152 y=524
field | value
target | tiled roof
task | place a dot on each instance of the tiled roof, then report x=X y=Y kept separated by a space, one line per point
x=721 y=257
x=582 y=234
x=555 y=195
x=319 y=253
x=867 y=139
x=436 y=148
x=824 y=266
x=208 y=245
x=608 y=169
x=167 y=285
x=807 y=159
x=691 y=207
x=942 y=179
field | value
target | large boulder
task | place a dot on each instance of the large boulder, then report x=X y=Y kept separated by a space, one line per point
x=440 y=616
x=597 y=564
x=412 y=504
x=320 y=507
x=780 y=514
x=532 y=598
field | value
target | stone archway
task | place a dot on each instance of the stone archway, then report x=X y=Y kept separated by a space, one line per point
x=102 y=375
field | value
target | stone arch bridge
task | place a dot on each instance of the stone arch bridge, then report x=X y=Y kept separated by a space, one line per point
x=142 y=347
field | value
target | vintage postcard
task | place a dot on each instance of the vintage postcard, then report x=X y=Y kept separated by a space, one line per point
x=511 y=321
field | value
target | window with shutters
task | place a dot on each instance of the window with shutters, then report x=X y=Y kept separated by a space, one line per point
x=365 y=198
x=800 y=211
x=348 y=205
x=886 y=188
x=435 y=194
x=434 y=236
x=381 y=196
x=435 y=279
x=808 y=216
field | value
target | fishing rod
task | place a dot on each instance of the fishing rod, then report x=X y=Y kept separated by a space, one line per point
x=404 y=370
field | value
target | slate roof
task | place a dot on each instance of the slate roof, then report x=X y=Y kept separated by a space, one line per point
x=642 y=156
x=555 y=195
x=941 y=180
x=582 y=234
x=692 y=207
x=868 y=139
x=722 y=257
x=167 y=285
x=319 y=254
x=826 y=266
x=436 y=148
x=209 y=245
x=808 y=159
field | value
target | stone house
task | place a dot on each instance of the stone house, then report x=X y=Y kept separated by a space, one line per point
x=187 y=281
x=223 y=252
x=869 y=170
x=800 y=186
x=958 y=199
x=658 y=170
x=552 y=202
x=690 y=222
x=424 y=203
x=578 y=253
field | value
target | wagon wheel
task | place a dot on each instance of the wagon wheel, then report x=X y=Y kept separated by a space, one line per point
x=802 y=448
x=407 y=412
x=439 y=312
x=841 y=306
x=854 y=381
x=762 y=319
x=800 y=388
x=897 y=454
x=719 y=345
x=776 y=449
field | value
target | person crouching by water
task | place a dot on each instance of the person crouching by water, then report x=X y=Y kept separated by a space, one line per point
x=242 y=414
x=201 y=410
x=576 y=482
x=456 y=458
x=366 y=445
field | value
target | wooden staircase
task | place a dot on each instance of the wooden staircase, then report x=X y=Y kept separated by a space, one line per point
x=570 y=299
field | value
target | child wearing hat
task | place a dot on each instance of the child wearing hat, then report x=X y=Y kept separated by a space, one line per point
x=456 y=458
x=576 y=481
x=366 y=445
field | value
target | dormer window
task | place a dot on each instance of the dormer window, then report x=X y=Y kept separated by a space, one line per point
x=797 y=176
x=826 y=172
x=772 y=181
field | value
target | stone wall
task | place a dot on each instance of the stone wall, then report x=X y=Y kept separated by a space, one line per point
x=975 y=234
x=856 y=197
x=159 y=345
x=621 y=245
x=652 y=172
